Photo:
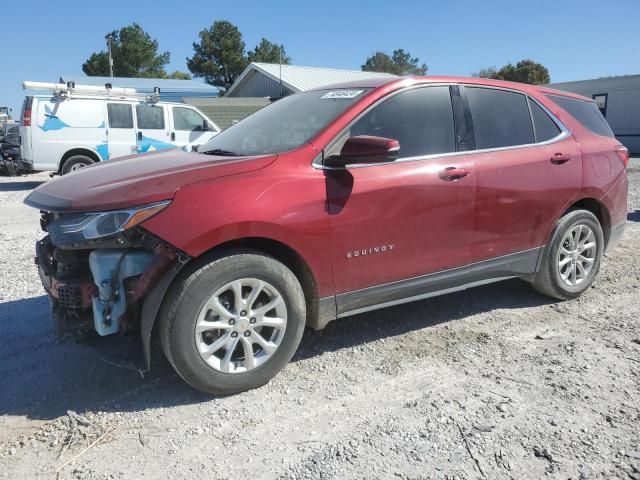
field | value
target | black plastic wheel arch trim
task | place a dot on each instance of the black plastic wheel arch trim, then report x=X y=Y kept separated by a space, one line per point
x=151 y=307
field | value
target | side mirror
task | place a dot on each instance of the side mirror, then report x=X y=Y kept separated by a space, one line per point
x=364 y=149
x=206 y=126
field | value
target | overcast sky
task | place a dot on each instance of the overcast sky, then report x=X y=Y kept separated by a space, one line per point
x=575 y=39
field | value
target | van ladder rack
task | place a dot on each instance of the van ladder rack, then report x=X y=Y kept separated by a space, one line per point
x=70 y=89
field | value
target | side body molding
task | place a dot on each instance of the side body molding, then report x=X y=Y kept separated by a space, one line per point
x=519 y=264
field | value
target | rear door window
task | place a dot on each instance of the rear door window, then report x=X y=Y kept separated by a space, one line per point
x=120 y=115
x=420 y=119
x=545 y=127
x=150 y=117
x=500 y=118
x=585 y=112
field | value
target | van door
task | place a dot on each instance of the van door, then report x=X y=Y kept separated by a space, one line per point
x=188 y=127
x=121 y=134
x=152 y=128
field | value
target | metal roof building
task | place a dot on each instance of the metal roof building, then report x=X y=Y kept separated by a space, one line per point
x=171 y=90
x=619 y=101
x=274 y=80
x=226 y=111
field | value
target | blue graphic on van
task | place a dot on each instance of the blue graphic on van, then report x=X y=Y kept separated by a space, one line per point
x=103 y=151
x=147 y=144
x=51 y=121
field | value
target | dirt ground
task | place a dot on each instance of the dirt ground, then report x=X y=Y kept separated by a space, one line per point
x=494 y=382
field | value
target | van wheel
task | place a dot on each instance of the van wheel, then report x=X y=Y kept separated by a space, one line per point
x=75 y=163
x=232 y=321
x=572 y=257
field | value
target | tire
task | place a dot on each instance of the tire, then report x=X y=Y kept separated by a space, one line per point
x=76 y=162
x=550 y=280
x=192 y=294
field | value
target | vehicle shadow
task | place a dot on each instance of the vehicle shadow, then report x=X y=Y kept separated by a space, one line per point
x=19 y=186
x=43 y=377
x=401 y=319
x=634 y=216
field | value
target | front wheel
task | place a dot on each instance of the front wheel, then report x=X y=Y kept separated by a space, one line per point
x=572 y=257
x=232 y=322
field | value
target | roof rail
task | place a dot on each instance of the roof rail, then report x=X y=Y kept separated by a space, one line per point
x=67 y=90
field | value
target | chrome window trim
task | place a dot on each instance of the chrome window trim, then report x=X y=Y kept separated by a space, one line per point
x=564 y=131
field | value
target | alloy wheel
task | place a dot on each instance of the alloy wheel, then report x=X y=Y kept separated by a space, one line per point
x=241 y=325
x=577 y=255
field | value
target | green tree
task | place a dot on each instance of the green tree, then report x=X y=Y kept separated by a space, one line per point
x=97 y=65
x=489 y=72
x=179 y=75
x=219 y=55
x=378 y=62
x=400 y=63
x=268 y=52
x=134 y=53
x=525 y=71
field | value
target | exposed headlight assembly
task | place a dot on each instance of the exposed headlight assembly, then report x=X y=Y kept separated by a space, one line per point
x=76 y=228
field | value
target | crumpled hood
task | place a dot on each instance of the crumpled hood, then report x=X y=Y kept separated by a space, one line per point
x=136 y=180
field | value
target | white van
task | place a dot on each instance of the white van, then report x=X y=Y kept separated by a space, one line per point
x=80 y=125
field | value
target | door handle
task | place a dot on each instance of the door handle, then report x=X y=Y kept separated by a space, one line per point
x=173 y=136
x=453 y=173
x=139 y=135
x=560 y=158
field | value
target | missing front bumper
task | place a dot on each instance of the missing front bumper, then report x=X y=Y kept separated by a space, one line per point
x=112 y=292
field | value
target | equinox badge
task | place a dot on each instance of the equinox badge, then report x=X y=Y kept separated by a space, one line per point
x=370 y=251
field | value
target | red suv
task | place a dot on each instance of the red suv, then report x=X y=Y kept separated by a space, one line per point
x=326 y=204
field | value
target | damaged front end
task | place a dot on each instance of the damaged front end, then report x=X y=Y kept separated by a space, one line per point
x=98 y=270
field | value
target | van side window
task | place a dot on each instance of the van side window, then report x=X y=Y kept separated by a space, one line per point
x=150 y=117
x=500 y=118
x=420 y=119
x=188 y=120
x=545 y=128
x=120 y=115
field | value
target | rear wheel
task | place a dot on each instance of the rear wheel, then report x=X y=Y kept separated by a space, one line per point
x=572 y=258
x=76 y=162
x=233 y=322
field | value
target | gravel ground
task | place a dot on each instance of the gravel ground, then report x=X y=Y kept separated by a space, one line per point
x=494 y=382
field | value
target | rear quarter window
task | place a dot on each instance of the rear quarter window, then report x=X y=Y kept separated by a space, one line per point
x=585 y=112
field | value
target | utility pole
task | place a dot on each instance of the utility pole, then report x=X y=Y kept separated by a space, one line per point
x=280 y=61
x=110 y=57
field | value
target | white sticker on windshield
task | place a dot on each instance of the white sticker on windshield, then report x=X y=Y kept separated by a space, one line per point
x=342 y=94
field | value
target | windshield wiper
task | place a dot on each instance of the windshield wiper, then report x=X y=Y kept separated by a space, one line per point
x=222 y=153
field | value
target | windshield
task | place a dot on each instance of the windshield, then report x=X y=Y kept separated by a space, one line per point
x=284 y=125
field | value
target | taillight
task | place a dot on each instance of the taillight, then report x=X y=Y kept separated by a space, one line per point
x=623 y=154
x=26 y=112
